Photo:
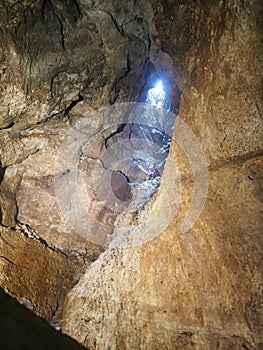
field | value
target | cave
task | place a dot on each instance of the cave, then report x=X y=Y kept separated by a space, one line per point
x=131 y=174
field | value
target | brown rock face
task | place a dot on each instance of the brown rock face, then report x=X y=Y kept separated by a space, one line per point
x=180 y=268
x=38 y=276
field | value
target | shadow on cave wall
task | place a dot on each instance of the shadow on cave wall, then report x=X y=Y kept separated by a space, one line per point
x=22 y=330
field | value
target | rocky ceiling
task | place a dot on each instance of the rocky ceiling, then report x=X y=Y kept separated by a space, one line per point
x=71 y=71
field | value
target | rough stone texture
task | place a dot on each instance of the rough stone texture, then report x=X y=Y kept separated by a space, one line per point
x=202 y=289
x=37 y=275
x=198 y=290
x=59 y=62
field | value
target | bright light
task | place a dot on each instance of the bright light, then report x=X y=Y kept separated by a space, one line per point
x=158 y=97
x=159 y=87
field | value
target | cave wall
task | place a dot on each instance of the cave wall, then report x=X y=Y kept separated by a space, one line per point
x=60 y=61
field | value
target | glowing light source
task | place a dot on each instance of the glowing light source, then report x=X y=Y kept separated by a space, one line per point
x=159 y=87
x=156 y=96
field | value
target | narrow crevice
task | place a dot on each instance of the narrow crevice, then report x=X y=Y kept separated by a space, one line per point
x=149 y=48
x=2 y=172
x=55 y=309
x=116 y=25
x=118 y=131
x=78 y=10
x=114 y=89
x=72 y=105
x=43 y=8
x=9 y=126
x=28 y=232
x=124 y=175
x=61 y=30
x=7 y=260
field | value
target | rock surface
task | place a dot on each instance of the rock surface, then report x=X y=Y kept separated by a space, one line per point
x=62 y=61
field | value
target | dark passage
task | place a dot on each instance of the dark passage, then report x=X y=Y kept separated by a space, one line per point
x=20 y=329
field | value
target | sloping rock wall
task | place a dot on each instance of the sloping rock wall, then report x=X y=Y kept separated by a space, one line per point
x=60 y=61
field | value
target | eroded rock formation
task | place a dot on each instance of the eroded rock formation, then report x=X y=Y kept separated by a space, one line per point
x=64 y=60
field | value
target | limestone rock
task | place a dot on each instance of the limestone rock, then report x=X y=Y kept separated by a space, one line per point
x=201 y=289
x=37 y=275
x=166 y=288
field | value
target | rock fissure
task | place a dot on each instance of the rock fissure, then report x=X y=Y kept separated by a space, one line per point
x=28 y=232
x=6 y=259
x=65 y=198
